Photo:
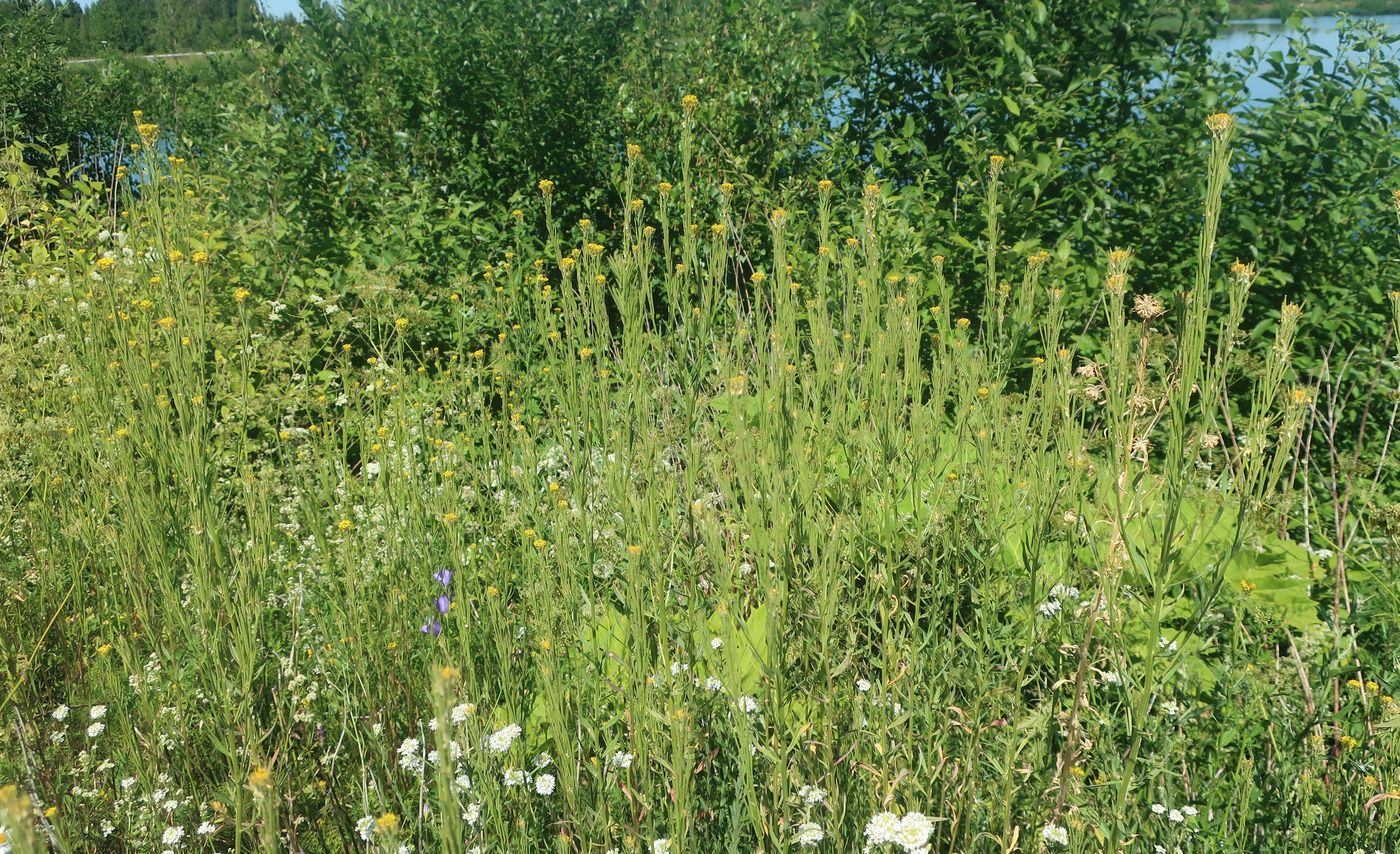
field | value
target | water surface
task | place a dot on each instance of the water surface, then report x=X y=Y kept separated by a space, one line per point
x=1268 y=34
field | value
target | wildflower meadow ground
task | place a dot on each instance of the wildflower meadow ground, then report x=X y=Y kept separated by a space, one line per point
x=722 y=524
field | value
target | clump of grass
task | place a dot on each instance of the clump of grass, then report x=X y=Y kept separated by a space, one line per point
x=713 y=531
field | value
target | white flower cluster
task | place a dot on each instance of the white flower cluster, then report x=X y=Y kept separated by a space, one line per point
x=410 y=758
x=1059 y=594
x=501 y=740
x=910 y=832
x=810 y=834
x=1176 y=816
x=1055 y=835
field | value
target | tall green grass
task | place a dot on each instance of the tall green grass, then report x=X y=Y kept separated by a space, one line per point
x=716 y=530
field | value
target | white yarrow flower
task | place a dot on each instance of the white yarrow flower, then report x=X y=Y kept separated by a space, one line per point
x=881 y=828
x=1054 y=834
x=409 y=759
x=809 y=833
x=501 y=740
x=914 y=832
x=544 y=785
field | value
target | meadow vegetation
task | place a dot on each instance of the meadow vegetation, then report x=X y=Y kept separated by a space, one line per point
x=712 y=531
x=702 y=428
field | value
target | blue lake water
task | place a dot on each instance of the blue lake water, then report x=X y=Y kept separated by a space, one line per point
x=1273 y=34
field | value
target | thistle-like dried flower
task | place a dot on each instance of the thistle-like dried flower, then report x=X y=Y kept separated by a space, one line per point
x=1148 y=307
x=1220 y=124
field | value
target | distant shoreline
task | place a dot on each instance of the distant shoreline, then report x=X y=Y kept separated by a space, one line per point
x=1251 y=9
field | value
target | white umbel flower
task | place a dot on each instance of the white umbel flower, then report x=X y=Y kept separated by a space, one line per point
x=501 y=740
x=544 y=784
x=809 y=834
x=1054 y=834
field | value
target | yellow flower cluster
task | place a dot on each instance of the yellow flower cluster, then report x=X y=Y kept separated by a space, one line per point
x=1220 y=125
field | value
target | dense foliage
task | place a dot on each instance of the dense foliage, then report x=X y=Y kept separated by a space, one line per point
x=141 y=26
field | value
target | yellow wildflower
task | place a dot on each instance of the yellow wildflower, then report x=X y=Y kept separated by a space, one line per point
x=1220 y=125
x=260 y=778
